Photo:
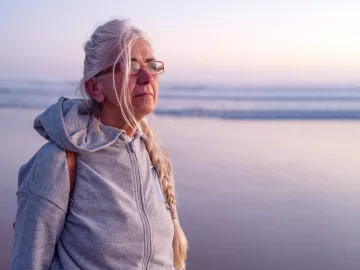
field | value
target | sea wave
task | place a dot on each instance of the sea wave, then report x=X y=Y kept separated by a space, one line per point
x=265 y=114
x=213 y=101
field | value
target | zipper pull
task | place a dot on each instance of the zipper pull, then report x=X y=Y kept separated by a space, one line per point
x=131 y=147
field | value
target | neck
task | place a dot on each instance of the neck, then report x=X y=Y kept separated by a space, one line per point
x=111 y=116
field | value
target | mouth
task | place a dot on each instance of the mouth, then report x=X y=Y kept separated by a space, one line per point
x=145 y=94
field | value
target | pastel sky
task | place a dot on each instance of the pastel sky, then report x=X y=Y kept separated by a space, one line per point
x=242 y=42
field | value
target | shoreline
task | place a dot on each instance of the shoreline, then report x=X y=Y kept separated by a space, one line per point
x=242 y=115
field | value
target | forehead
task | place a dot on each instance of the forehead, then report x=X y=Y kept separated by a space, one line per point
x=141 y=50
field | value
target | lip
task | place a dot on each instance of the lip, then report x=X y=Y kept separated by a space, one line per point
x=146 y=94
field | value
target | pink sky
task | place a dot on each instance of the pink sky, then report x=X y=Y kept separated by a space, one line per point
x=250 y=42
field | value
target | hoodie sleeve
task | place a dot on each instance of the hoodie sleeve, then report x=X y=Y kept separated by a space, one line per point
x=41 y=208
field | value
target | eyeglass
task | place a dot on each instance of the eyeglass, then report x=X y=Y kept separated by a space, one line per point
x=154 y=67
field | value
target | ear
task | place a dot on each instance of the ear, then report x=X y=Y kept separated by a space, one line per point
x=93 y=90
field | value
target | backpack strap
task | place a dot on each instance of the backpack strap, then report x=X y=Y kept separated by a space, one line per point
x=71 y=162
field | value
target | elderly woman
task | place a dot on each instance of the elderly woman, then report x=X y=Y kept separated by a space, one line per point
x=122 y=213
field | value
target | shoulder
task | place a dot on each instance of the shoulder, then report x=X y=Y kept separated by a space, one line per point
x=46 y=175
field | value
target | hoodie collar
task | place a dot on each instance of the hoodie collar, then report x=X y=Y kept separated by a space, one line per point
x=68 y=124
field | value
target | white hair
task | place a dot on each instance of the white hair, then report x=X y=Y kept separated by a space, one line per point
x=109 y=44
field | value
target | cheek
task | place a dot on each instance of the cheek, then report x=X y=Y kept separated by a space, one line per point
x=155 y=87
x=118 y=84
x=131 y=84
x=106 y=88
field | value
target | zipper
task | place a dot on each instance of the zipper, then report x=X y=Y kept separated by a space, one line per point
x=141 y=204
x=131 y=145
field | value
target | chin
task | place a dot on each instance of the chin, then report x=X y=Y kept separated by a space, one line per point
x=148 y=111
x=140 y=113
x=144 y=108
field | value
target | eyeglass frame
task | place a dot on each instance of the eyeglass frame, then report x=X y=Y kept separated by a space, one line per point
x=118 y=68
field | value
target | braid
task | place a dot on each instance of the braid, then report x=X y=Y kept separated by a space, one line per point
x=162 y=164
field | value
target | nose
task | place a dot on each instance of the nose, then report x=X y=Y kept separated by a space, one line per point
x=144 y=77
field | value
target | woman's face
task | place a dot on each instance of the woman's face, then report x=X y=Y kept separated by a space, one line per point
x=142 y=91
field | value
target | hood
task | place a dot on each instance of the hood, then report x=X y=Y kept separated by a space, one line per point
x=69 y=124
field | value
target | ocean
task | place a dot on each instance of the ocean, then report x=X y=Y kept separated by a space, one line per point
x=214 y=101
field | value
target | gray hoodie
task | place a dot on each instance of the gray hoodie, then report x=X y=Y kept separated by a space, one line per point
x=119 y=218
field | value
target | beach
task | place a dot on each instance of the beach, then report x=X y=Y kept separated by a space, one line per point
x=254 y=195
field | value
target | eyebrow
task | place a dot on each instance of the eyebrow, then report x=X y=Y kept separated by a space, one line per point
x=146 y=60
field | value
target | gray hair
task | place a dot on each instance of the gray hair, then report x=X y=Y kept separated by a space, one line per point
x=109 y=44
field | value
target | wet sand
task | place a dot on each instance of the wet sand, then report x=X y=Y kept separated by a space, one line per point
x=254 y=195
